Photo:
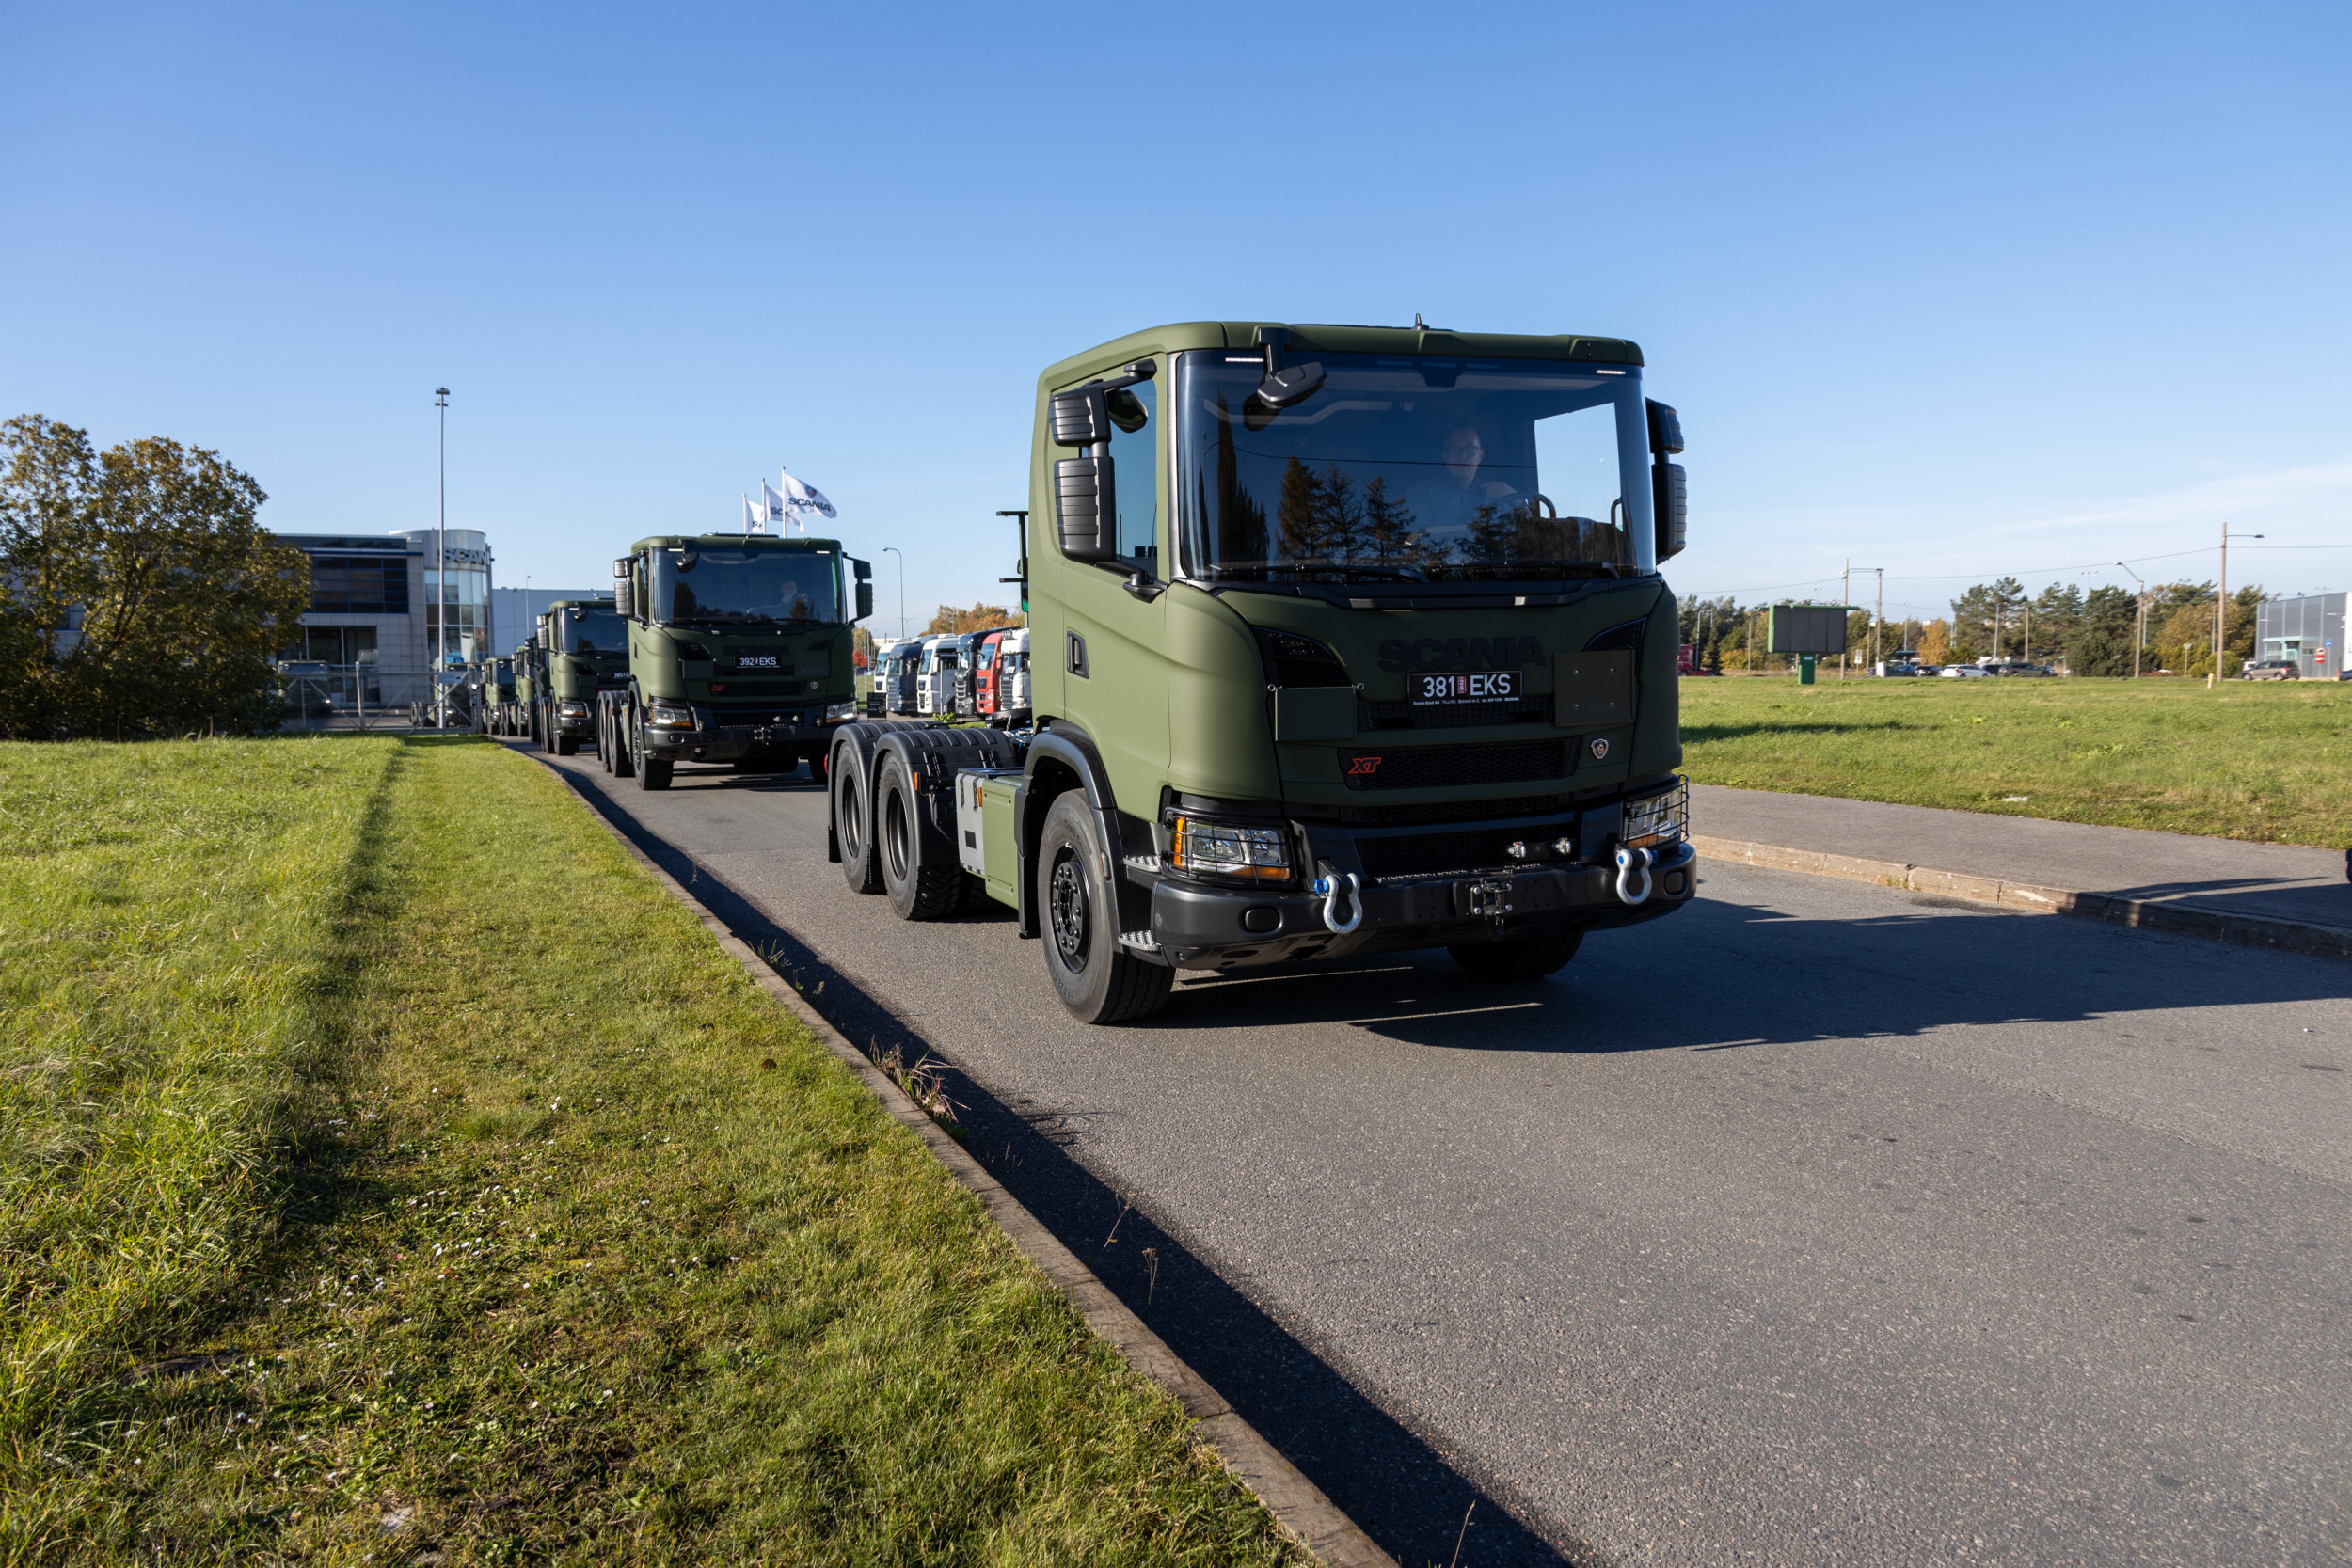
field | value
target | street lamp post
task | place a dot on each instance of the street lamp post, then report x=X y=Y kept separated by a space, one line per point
x=441 y=571
x=2139 y=637
x=892 y=549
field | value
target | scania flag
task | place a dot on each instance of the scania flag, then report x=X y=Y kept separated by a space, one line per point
x=806 y=497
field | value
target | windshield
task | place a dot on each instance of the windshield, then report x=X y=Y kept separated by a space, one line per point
x=592 y=632
x=745 y=586
x=1412 y=469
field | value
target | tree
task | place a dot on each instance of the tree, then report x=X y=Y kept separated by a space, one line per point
x=1976 y=613
x=2098 y=652
x=1935 y=642
x=159 y=599
x=951 y=622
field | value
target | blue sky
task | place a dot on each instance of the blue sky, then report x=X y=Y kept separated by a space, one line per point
x=1951 y=290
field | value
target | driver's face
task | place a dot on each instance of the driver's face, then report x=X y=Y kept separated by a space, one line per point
x=1463 y=453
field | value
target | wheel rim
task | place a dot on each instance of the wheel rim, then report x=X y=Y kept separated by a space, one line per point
x=894 y=836
x=1066 y=910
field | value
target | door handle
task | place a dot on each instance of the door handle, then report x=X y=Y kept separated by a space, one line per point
x=1075 y=655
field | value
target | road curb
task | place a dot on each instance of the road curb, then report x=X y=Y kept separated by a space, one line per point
x=2243 y=930
x=1296 y=1503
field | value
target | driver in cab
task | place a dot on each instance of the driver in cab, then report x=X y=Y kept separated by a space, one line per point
x=1449 y=499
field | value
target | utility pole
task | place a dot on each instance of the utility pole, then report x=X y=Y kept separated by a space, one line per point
x=1877 y=621
x=2029 y=604
x=2139 y=638
x=1845 y=596
x=2221 y=603
x=441 y=571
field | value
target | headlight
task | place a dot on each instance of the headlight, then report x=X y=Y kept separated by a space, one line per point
x=840 y=710
x=572 y=710
x=669 y=716
x=1222 y=849
x=1658 y=818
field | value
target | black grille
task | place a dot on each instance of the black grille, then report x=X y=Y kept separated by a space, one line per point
x=1427 y=854
x=1455 y=811
x=1427 y=767
x=732 y=689
x=1446 y=716
x=1295 y=660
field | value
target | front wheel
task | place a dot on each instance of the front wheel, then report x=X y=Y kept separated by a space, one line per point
x=624 y=755
x=1098 y=980
x=1519 y=958
x=652 y=772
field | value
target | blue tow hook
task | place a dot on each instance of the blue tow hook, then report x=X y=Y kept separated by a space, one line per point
x=1328 y=890
x=1633 y=875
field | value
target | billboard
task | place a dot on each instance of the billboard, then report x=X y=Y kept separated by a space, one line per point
x=1806 y=628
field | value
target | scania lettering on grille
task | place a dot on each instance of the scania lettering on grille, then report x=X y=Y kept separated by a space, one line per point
x=1461 y=653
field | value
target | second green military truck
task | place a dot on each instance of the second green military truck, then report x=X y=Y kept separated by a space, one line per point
x=1343 y=639
x=739 y=650
x=583 y=650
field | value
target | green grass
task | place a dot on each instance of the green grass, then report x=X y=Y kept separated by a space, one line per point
x=2269 y=761
x=396 y=1173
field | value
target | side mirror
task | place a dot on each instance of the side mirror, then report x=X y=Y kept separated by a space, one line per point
x=1081 y=417
x=864 y=569
x=1670 y=494
x=865 y=598
x=1085 y=501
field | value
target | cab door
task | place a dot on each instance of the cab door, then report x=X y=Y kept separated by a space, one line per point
x=1113 y=674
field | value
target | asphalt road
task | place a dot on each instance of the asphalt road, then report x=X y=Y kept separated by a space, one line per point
x=1819 y=1223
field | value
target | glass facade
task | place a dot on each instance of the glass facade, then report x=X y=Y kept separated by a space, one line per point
x=457 y=598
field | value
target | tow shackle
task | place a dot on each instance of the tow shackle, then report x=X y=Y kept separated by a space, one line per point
x=1633 y=875
x=1328 y=888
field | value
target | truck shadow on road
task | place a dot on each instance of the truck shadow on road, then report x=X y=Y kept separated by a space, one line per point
x=1387 y=1478
x=1739 y=973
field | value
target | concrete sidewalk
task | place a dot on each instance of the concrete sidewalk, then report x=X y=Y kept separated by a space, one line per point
x=2268 y=894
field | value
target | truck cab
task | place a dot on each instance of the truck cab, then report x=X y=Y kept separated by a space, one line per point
x=986 y=674
x=739 y=649
x=1356 y=641
x=584 y=652
x=902 y=671
x=935 y=689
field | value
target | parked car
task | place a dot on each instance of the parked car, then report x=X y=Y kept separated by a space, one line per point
x=1965 y=671
x=2273 y=670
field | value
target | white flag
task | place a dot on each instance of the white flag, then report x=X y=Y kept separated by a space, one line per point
x=806 y=497
x=753 y=522
x=771 y=506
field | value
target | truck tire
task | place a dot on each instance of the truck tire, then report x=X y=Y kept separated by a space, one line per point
x=624 y=757
x=1098 y=980
x=853 y=824
x=1519 y=958
x=652 y=772
x=917 y=891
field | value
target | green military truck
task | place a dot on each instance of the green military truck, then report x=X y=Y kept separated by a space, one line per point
x=1343 y=640
x=527 y=684
x=583 y=650
x=738 y=650
x=494 y=702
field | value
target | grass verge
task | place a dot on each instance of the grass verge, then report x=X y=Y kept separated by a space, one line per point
x=2263 y=761
x=534 y=1232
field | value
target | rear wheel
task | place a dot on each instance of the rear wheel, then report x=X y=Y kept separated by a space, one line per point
x=1519 y=958
x=624 y=755
x=917 y=891
x=854 y=821
x=1098 y=980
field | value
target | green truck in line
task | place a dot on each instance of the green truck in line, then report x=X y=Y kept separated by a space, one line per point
x=739 y=650
x=583 y=651
x=1343 y=640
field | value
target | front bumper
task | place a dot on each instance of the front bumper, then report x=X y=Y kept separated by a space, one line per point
x=731 y=737
x=1202 y=923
